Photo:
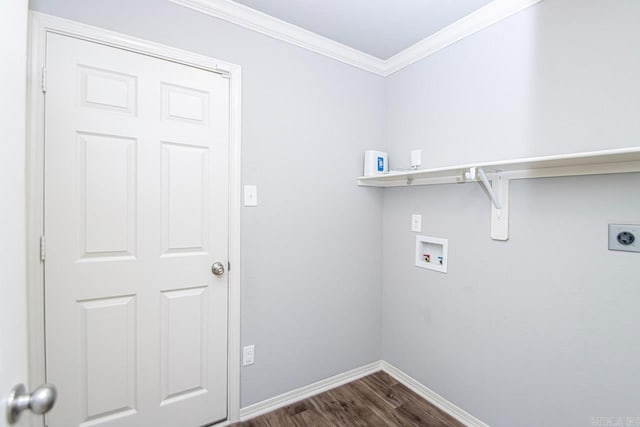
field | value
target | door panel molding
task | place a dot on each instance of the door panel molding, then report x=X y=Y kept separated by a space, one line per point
x=41 y=25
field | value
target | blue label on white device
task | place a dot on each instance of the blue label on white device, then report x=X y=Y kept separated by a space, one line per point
x=380 y=164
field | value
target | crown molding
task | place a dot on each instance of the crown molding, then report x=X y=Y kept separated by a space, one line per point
x=482 y=18
x=252 y=19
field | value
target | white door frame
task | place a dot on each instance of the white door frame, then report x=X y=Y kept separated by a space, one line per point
x=40 y=25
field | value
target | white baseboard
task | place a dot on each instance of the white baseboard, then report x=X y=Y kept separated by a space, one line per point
x=433 y=397
x=305 y=392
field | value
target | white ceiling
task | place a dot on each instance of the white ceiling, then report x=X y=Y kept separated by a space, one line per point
x=380 y=28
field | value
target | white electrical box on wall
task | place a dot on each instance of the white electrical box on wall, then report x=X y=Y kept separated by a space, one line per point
x=431 y=253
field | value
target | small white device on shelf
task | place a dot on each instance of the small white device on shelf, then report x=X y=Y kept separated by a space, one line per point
x=416 y=159
x=431 y=253
x=375 y=163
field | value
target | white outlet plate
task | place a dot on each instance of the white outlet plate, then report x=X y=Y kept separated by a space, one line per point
x=416 y=223
x=616 y=229
x=248 y=353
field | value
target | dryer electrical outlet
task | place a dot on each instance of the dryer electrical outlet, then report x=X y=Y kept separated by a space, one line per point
x=624 y=237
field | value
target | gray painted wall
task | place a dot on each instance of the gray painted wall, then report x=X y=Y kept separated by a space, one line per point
x=558 y=77
x=540 y=330
x=311 y=252
x=534 y=331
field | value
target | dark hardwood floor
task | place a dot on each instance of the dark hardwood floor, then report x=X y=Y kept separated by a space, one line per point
x=375 y=400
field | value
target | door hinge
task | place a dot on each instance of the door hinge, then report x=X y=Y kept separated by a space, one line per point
x=43 y=248
x=228 y=265
x=43 y=82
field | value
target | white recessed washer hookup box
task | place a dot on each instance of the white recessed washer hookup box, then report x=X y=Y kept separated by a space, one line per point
x=431 y=253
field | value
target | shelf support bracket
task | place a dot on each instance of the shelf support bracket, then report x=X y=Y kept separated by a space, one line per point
x=498 y=190
x=500 y=212
x=494 y=198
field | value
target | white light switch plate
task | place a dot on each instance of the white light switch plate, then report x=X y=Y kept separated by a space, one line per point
x=251 y=195
x=416 y=223
x=248 y=353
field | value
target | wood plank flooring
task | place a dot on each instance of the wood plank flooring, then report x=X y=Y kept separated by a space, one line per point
x=375 y=400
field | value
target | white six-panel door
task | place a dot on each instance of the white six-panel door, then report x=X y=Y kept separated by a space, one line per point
x=136 y=212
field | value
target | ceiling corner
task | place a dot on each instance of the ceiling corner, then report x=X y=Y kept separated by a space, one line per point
x=254 y=20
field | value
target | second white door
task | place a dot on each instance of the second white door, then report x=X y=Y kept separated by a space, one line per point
x=136 y=212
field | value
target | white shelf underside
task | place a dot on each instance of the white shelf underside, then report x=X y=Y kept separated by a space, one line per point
x=498 y=174
x=588 y=163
